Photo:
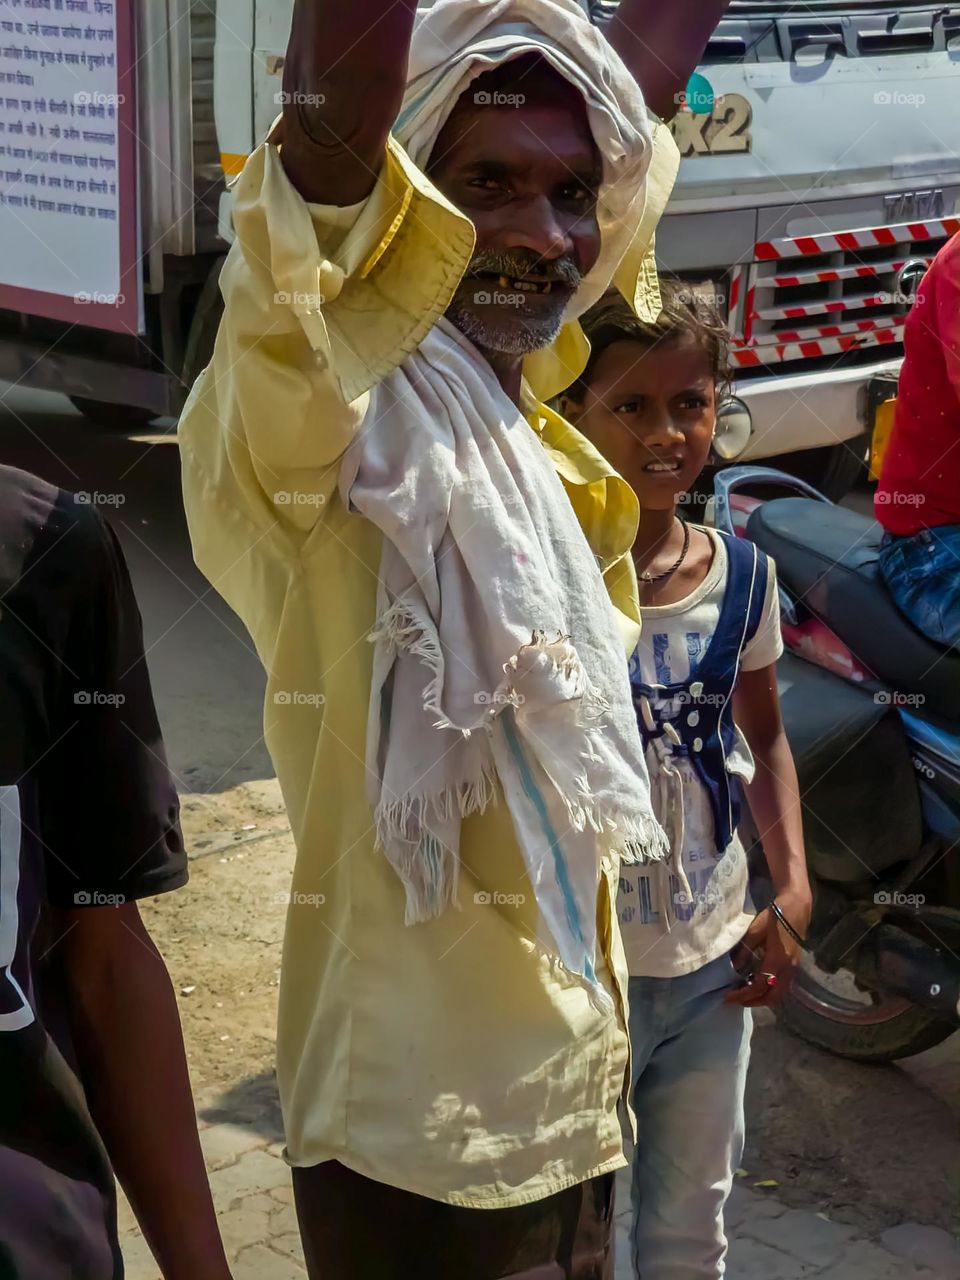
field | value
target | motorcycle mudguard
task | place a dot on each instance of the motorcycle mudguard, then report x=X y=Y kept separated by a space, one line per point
x=861 y=804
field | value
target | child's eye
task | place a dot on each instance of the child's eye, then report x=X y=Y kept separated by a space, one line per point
x=693 y=402
x=629 y=406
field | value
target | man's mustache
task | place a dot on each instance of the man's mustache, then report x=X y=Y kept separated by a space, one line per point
x=518 y=263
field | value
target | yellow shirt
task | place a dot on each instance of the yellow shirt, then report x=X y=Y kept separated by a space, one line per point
x=453 y=1059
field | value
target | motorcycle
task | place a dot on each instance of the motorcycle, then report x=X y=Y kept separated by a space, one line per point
x=872 y=712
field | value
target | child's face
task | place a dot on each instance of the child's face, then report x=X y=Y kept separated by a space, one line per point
x=652 y=412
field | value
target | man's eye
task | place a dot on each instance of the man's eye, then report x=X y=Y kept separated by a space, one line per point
x=487 y=184
x=576 y=193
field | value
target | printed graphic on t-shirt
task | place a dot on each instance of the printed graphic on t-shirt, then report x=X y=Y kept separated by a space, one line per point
x=15 y=1012
x=671 y=922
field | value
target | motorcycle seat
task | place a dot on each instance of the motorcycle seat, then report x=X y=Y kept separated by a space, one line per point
x=828 y=557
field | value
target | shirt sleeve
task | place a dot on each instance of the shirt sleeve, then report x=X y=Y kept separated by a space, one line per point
x=320 y=304
x=767 y=644
x=109 y=810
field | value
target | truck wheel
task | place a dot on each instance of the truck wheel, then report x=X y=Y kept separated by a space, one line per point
x=114 y=417
x=833 y=469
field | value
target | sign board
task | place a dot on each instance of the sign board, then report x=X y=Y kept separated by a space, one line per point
x=68 y=182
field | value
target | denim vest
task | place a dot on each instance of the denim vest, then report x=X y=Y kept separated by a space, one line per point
x=700 y=728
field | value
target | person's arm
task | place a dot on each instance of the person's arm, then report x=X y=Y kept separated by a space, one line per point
x=662 y=43
x=125 y=1030
x=109 y=817
x=774 y=799
x=343 y=81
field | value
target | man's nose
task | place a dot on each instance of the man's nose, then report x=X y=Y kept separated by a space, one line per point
x=539 y=230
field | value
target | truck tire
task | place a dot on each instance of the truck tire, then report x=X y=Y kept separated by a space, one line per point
x=113 y=417
x=833 y=469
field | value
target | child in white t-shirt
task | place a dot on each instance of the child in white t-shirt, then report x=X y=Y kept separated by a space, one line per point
x=704 y=684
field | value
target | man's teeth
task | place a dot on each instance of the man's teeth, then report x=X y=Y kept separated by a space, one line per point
x=662 y=466
x=525 y=286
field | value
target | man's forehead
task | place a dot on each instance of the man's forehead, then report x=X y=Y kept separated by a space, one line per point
x=527 y=119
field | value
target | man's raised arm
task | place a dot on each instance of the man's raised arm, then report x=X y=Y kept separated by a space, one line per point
x=662 y=43
x=343 y=82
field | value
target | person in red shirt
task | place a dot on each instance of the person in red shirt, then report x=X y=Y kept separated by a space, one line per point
x=918 y=497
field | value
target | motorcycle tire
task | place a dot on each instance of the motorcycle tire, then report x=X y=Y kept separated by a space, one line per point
x=906 y=1031
x=883 y=1032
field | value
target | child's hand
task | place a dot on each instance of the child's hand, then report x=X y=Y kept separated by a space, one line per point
x=771 y=952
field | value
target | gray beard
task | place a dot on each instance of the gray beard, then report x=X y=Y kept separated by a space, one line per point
x=514 y=339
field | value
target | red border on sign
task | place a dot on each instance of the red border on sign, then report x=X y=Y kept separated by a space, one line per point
x=122 y=317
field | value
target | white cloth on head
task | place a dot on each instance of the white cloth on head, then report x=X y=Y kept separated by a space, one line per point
x=457 y=40
x=498 y=659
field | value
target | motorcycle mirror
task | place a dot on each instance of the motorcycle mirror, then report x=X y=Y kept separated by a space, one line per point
x=734 y=428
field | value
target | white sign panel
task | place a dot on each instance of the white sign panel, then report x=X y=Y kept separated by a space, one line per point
x=67 y=161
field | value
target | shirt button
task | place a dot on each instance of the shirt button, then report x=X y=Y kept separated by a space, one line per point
x=698 y=744
x=693 y=718
x=696 y=689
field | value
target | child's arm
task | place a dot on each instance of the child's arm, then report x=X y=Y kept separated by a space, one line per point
x=774 y=799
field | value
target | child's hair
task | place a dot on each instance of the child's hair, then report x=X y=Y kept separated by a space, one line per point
x=684 y=313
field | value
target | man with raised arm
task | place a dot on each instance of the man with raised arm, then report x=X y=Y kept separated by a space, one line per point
x=426 y=558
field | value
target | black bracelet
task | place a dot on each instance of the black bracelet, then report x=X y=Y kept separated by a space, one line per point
x=775 y=908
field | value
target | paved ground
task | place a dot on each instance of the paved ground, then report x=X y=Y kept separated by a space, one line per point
x=251 y=1186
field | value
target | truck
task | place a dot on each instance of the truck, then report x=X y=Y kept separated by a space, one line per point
x=820 y=173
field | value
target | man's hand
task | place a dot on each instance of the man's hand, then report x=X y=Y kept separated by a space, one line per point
x=767 y=948
x=343 y=82
x=662 y=41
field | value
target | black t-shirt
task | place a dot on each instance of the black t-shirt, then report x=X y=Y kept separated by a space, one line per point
x=88 y=817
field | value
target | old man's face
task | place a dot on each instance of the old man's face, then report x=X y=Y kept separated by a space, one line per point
x=521 y=163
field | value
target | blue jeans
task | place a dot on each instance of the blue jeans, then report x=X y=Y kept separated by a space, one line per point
x=690 y=1056
x=922 y=574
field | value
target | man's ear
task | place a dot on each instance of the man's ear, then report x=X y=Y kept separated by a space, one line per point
x=568 y=407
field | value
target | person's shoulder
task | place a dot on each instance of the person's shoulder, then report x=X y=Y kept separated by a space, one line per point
x=26 y=502
x=47 y=528
x=950 y=252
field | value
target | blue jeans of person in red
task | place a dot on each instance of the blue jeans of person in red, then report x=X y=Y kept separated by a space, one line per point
x=922 y=574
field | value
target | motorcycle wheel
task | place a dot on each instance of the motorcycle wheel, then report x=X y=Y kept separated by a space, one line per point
x=828 y=1010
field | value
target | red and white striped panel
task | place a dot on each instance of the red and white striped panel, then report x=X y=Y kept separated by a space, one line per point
x=736 y=284
x=828 y=330
x=864 y=271
x=867 y=238
x=744 y=357
x=798 y=310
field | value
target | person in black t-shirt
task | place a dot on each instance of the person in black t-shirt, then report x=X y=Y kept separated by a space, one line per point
x=93 y=1074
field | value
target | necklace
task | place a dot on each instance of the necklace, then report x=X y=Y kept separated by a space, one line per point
x=659 y=577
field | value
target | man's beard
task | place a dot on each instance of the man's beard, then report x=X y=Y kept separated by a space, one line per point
x=495 y=316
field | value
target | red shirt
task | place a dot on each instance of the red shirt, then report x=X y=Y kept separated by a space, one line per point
x=920 y=481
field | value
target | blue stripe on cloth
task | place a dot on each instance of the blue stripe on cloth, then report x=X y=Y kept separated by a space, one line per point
x=536 y=799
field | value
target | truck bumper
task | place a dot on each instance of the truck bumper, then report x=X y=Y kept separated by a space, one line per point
x=808 y=410
x=35 y=364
